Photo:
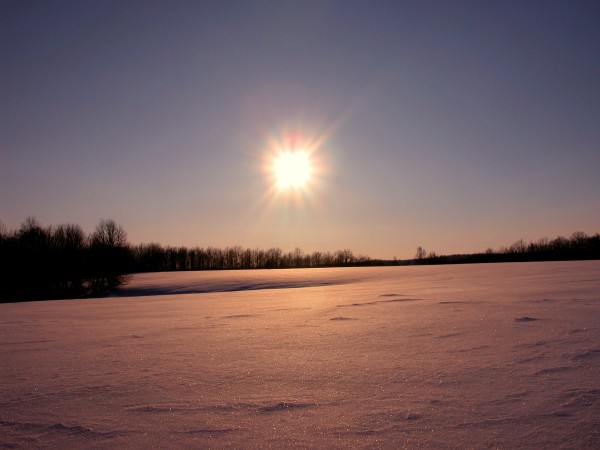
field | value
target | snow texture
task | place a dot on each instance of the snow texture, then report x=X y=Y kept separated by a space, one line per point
x=470 y=356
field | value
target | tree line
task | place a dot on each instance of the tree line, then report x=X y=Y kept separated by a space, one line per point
x=51 y=262
x=156 y=258
x=579 y=246
x=62 y=261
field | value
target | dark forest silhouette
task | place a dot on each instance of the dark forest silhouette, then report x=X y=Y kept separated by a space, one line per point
x=578 y=247
x=61 y=261
x=155 y=258
x=54 y=262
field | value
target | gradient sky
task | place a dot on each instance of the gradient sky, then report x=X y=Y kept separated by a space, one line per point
x=456 y=126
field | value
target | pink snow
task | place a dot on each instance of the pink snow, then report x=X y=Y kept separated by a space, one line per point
x=469 y=356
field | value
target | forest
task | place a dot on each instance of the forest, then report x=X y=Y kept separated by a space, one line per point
x=578 y=246
x=53 y=262
x=39 y=263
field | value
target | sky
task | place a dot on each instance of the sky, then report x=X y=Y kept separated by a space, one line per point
x=455 y=126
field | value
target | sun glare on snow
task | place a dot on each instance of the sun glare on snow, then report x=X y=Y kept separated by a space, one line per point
x=292 y=169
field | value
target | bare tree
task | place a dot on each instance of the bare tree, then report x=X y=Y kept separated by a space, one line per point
x=578 y=239
x=110 y=254
x=109 y=234
x=518 y=247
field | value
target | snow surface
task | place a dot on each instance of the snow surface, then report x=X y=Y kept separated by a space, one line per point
x=470 y=356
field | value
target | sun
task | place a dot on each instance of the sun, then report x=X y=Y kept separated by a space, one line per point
x=292 y=169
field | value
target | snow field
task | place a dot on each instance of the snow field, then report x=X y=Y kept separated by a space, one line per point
x=472 y=356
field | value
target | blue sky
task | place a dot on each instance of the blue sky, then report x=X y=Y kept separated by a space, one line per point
x=456 y=126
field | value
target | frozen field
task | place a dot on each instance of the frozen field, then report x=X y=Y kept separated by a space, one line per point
x=472 y=356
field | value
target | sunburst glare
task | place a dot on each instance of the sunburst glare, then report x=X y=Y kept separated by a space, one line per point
x=294 y=165
x=292 y=169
